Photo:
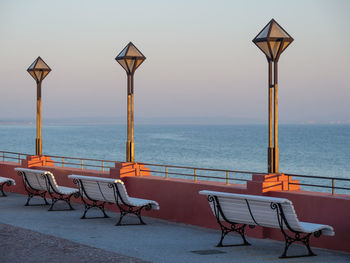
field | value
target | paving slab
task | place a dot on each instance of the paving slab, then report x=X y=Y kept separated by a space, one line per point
x=158 y=241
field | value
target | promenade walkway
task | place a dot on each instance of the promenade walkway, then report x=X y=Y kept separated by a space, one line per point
x=32 y=234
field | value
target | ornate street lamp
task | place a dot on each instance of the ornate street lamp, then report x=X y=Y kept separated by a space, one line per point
x=130 y=58
x=273 y=40
x=38 y=70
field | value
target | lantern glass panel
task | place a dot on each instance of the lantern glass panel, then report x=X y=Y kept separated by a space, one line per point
x=131 y=64
x=123 y=53
x=123 y=64
x=38 y=74
x=277 y=31
x=285 y=45
x=138 y=63
x=45 y=73
x=264 y=33
x=32 y=74
x=264 y=47
x=41 y=65
x=133 y=52
x=275 y=45
x=32 y=65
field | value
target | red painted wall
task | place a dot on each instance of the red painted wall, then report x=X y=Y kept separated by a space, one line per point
x=180 y=202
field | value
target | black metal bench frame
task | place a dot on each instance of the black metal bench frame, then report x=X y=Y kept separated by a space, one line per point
x=55 y=196
x=8 y=183
x=239 y=228
x=124 y=208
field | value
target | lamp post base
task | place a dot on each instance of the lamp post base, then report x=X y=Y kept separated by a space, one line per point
x=37 y=161
x=263 y=183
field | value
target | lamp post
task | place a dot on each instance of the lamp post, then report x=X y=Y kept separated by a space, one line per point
x=38 y=70
x=273 y=40
x=130 y=58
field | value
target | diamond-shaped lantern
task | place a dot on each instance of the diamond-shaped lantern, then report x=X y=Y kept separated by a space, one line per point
x=130 y=58
x=273 y=40
x=38 y=69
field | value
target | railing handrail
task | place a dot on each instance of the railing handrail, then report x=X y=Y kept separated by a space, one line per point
x=322 y=186
x=245 y=172
x=85 y=159
x=318 y=177
x=63 y=158
x=66 y=157
x=201 y=169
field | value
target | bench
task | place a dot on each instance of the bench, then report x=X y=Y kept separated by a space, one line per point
x=97 y=191
x=234 y=212
x=5 y=181
x=38 y=183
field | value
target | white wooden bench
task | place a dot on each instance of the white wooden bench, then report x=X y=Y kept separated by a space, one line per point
x=38 y=183
x=97 y=191
x=5 y=181
x=234 y=212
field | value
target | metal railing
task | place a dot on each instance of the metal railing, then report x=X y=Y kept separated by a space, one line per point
x=331 y=180
x=188 y=172
x=195 y=173
x=192 y=173
x=13 y=156
x=66 y=161
x=63 y=161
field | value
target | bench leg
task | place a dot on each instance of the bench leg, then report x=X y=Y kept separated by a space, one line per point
x=234 y=228
x=86 y=208
x=61 y=197
x=31 y=195
x=303 y=239
x=102 y=208
x=2 y=189
x=131 y=210
x=99 y=206
x=122 y=214
x=298 y=236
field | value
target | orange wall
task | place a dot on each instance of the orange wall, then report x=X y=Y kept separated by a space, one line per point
x=180 y=202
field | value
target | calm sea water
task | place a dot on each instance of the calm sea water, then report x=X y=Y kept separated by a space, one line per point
x=322 y=150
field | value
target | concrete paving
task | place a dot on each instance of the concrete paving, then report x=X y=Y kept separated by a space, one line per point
x=158 y=241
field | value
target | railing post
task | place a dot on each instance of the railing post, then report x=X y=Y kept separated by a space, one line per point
x=333 y=186
x=227 y=181
x=288 y=182
x=19 y=158
x=63 y=162
x=166 y=172
x=195 y=175
x=82 y=164
x=3 y=156
x=102 y=166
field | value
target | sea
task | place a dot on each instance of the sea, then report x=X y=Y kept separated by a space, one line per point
x=319 y=150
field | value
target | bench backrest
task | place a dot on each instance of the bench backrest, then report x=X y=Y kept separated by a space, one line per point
x=38 y=179
x=254 y=210
x=101 y=189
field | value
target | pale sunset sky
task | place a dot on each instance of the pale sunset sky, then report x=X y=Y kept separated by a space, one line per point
x=201 y=62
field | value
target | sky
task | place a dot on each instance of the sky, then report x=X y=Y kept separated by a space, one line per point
x=201 y=64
